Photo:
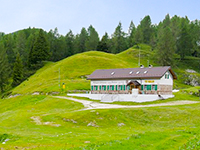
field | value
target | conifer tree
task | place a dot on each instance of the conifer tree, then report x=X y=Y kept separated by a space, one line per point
x=103 y=45
x=93 y=39
x=131 y=34
x=17 y=71
x=118 y=38
x=81 y=41
x=184 y=41
x=166 y=47
x=40 y=51
x=4 y=68
x=69 y=39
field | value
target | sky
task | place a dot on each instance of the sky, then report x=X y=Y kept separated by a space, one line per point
x=103 y=15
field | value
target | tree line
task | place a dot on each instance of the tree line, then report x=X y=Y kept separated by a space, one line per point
x=23 y=52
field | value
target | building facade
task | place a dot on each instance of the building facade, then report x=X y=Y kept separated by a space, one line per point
x=150 y=80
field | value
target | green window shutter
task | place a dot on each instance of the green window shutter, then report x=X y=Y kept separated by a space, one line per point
x=113 y=87
x=104 y=88
x=121 y=87
x=116 y=87
x=124 y=87
x=156 y=87
x=100 y=87
x=107 y=87
x=142 y=87
x=92 y=88
x=149 y=87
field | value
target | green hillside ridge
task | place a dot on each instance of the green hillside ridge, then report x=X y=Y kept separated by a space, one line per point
x=73 y=70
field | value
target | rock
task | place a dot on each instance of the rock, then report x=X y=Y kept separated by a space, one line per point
x=12 y=96
x=92 y=124
x=87 y=142
x=121 y=124
x=36 y=93
x=190 y=71
x=69 y=120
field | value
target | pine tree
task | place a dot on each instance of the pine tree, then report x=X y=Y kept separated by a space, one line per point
x=4 y=68
x=20 y=46
x=17 y=71
x=81 y=41
x=118 y=38
x=103 y=45
x=69 y=40
x=184 y=41
x=146 y=29
x=131 y=34
x=93 y=39
x=166 y=47
x=40 y=51
x=9 y=43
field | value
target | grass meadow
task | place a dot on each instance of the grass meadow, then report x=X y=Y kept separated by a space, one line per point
x=45 y=122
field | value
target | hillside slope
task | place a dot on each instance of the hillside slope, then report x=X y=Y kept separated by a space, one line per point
x=73 y=70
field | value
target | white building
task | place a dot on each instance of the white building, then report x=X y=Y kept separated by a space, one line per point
x=132 y=84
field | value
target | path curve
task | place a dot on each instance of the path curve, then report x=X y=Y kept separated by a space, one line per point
x=95 y=105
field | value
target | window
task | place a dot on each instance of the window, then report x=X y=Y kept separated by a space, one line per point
x=142 y=87
x=154 y=87
x=100 y=87
x=128 y=87
x=145 y=72
x=108 y=87
x=112 y=73
x=124 y=87
x=104 y=87
x=121 y=87
x=166 y=76
x=95 y=87
x=130 y=72
x=147 y=87
x=92 y=88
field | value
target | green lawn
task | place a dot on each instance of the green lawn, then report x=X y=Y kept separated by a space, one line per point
x=142 y=128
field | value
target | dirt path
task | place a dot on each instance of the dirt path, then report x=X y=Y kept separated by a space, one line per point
x=96 y=105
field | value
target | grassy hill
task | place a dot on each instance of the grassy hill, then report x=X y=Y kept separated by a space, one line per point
x=73 y=70
x=45 y=122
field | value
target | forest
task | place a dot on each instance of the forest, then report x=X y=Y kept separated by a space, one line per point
x=25 y=51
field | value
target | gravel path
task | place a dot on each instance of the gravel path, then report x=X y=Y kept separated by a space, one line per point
x=96 y=105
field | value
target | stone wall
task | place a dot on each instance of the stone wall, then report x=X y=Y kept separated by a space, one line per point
x=165 y=89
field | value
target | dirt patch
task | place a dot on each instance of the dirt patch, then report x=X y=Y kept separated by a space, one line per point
x=38 y=121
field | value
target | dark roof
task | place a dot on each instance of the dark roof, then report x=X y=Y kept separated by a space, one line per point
x=131 y=73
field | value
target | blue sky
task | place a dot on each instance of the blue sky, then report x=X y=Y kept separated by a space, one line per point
x=104 y=15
